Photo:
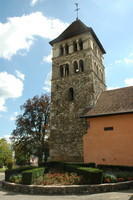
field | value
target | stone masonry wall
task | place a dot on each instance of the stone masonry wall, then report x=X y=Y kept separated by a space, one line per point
x=67 y=128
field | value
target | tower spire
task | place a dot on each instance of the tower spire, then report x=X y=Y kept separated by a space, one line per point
x=77 y=10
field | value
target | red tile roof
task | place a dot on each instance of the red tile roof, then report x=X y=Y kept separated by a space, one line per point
x=111 y=102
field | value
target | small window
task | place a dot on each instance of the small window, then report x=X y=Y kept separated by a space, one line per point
x=75 y=48
x=111 y=128
x=61 y=71
x=81 y=65
x=71 y=94
x=76 y=69
x=66 y=70
x=80 y=44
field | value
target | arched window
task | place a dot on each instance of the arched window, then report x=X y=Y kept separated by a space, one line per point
x=61 y=70
x=80 y=44
x=76 y=69
x=75 y=48
x=81 y=66
x=61 y=50
x=66 y=49
x=66 y=70
x=71 y=94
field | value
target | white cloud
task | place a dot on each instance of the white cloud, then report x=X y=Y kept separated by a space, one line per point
x=48 y=58
x=20 y=75
x=47 y=83
x=34 y=2
x=127 y=60
x=10 y=87
x=13 y=117
x=129 y=81
x=18 y=33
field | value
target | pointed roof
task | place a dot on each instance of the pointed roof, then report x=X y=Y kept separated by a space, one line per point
x=76 y=28
x=112 y=102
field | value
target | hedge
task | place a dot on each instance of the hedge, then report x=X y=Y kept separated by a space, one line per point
x=33 y=176
x=115 y=167
x=64 y=165
x=11 y=172
x=17 y=178
x=89 y=175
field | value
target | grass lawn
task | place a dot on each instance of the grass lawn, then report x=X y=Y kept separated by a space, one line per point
x=2 y=169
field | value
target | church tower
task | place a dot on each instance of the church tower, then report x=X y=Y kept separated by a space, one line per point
x=77 y=81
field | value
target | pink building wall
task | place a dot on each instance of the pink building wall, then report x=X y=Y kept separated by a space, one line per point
x=113 y=147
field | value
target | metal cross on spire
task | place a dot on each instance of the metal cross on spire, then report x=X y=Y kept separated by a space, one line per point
x=77 y=10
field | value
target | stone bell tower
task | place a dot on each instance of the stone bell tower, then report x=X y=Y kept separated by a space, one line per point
x=77 y=81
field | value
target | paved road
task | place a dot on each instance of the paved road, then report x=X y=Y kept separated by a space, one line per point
x=123 y=195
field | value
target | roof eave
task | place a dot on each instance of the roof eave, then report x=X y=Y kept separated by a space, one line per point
x=107 y=114
x=96 y=38
x=56 y=40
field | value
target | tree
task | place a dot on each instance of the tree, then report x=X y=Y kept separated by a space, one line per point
x=31 y=133
x=5 y=152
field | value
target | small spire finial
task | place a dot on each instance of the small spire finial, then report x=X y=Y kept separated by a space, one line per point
x=77 y=10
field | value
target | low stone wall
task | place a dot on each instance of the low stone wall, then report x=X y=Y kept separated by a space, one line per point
x=66 y=190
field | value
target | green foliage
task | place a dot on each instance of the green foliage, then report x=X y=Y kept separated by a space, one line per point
x=89 y=175
x=115 y=167
x=16 y=178
x=29 y=137
x=81 y=164
x=9 y=164
x=126 y=175
x=5 y=152
x=33 y=176
x=21 y=157
x=109 y=178
x=2 y=169
x=9 y=173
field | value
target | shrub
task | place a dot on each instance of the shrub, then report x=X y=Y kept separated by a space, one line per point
x=64 y=165
x=16 y=178
x=115 y=167
x=33 y=176
x=117 y=176
x=90 y=175
x=10 y=172
x=109 y=178
x=125 y=175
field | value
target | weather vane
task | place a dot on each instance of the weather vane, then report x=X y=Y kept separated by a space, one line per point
x=77 y=9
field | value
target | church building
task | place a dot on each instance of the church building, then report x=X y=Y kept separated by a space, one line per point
x=88 y=123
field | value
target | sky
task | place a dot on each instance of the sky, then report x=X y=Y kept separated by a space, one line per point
x=27 y=26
